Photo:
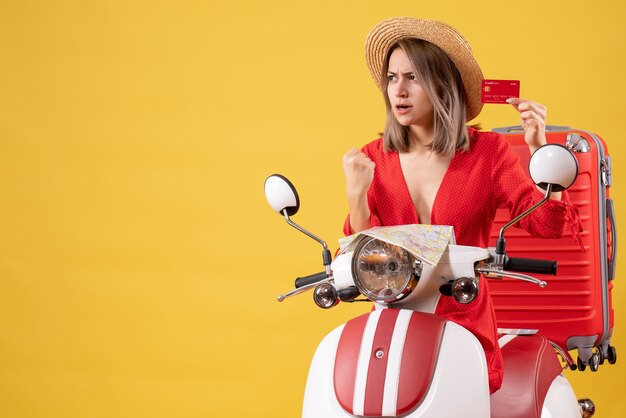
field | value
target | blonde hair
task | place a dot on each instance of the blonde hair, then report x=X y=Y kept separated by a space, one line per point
x=442 y=83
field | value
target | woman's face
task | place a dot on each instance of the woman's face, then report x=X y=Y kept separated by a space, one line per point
x=409 y=102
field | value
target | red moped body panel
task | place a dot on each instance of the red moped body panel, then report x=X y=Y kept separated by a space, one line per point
x=368 y=346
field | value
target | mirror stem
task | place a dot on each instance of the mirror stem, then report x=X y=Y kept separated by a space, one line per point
x=501 y=243
x=326 y=255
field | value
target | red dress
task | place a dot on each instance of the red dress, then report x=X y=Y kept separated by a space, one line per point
x=477 y=182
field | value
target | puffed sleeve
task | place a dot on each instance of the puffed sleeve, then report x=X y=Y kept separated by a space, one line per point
x=512 y=188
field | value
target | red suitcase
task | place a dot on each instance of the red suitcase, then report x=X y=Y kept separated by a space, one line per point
x=575 y=309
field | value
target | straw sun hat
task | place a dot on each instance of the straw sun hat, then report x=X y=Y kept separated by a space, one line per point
x=390 y=31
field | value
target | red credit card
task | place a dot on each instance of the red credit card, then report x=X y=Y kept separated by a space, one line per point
x=497 y=91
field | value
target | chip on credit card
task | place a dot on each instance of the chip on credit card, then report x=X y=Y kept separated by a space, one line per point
x=497 y=91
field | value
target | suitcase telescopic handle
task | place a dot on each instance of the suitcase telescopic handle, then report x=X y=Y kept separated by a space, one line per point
x=516 y=128
x=610 y=213
x=530 y=265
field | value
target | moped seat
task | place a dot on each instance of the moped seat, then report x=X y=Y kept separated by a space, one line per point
x=530 y=367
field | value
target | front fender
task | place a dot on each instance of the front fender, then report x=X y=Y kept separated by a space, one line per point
x=458 y=369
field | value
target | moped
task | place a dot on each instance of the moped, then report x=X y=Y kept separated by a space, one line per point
x=402 y=360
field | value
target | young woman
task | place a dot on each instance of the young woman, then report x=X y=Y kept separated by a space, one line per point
x=429 y=167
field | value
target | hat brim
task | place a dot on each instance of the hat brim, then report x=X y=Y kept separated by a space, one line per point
x=389 y=31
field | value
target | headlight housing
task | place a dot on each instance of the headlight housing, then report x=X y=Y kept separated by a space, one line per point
x=383 y=272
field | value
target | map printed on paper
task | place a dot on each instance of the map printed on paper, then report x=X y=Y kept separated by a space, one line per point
x=426 y=242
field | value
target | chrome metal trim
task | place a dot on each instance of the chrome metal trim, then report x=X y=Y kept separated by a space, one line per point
x=418 y=266
x=303 y=289
x=500 y=274
x=607 y=175
x=575 y=142
x=527 y=212
x=473 y=293
x=519 y=331
x=408 y=288
x=310 y=234
x=587 y=406
x=562 y=354
x=332 y=289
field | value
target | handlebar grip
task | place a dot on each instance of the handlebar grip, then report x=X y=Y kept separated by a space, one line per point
x=349 y=294
x=310 y=279
x=530 y=265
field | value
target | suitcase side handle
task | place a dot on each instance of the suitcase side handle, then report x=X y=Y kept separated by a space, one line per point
x=610 y=213
x=516 y=128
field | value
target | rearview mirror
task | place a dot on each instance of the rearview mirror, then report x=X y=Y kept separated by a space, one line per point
x=281 y=195
x=553 y=164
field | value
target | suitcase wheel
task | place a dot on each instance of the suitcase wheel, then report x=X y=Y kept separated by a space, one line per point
x=612 y=355
x=594 y=362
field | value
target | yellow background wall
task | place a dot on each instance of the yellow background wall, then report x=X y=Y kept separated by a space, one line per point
x=139 y=261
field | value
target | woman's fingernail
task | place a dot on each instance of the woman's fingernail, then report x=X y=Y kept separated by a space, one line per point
x=509 y=100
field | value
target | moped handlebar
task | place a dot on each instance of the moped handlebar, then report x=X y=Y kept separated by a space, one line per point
x=310 y=279
x=530 y=265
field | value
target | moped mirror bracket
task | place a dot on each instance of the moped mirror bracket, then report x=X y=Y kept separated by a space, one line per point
x=282 y=196
x=552 y=168
x=326 y=255
x=500 y=256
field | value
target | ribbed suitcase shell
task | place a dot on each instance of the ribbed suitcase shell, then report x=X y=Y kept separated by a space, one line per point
x=575 y=309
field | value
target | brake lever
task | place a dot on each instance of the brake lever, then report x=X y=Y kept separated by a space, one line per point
x=303 y=289
x=493 y=273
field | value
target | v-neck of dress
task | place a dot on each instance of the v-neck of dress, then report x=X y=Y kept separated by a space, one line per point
x=441 y=185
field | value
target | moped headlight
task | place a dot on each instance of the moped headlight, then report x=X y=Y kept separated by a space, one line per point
x=382 y=271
